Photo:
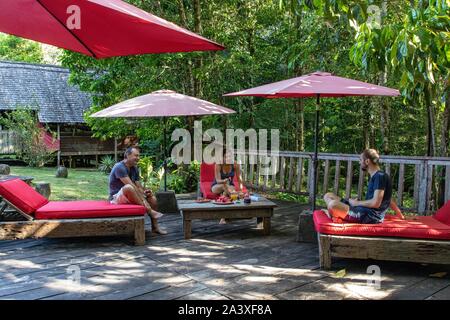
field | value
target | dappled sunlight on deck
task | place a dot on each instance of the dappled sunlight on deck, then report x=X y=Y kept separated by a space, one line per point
x=233 y=261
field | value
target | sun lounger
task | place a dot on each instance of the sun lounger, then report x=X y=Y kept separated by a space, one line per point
x=62 y=219
x=422 y=239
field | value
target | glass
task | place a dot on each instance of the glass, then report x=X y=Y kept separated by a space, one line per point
x=234 y=196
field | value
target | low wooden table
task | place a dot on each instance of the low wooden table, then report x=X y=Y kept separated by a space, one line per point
x=262 y=210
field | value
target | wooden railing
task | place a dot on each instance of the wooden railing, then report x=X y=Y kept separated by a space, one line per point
x=7 y=142
x=85 y=145
x=412 y=177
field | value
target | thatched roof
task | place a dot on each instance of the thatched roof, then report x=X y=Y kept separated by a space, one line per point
x=44 y=88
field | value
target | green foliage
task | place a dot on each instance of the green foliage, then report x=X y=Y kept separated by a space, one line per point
x=30 y=146
x=270 y=40
x=82 y=184
x=18 y=49
x=148 y=176
x=185 y=178
x=106 y=164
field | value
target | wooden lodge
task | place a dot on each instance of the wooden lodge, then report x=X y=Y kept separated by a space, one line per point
x=59 y=105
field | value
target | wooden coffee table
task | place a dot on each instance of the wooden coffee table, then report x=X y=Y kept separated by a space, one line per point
x=262 y=210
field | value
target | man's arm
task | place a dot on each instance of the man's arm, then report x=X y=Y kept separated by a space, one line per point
x=139 y=186
x=239 y=177
x=375 y=202
x=127 y=180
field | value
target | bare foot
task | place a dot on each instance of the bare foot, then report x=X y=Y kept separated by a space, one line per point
x=155 y=214
x=223 y=221
x=159 y=231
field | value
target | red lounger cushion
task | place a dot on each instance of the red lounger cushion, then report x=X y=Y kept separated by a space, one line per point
x=87 y=209
x=422 y=227
x=207 y=178
x=443 y=214
x=22 y=196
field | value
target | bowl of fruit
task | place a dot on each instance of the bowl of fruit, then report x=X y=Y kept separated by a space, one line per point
x=223 y=200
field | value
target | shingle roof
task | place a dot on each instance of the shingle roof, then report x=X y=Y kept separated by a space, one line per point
x=42 y=87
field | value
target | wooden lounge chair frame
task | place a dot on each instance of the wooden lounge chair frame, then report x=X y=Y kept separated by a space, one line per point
x=382 y=248
x=68 y=228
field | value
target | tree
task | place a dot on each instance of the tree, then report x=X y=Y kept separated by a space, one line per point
x=18 y=49
x=30 y=145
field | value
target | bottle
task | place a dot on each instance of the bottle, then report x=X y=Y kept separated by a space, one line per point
x=247 y=198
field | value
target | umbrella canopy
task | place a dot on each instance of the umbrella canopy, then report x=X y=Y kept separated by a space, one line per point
x=318 y=84
x=97 y=28
x=162 y=103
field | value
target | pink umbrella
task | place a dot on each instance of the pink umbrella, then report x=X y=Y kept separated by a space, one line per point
x=162 y=104
x=97 y=28
x=318 y=85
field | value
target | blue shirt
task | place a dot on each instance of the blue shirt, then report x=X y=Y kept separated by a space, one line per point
x=380 y=181
x=120 y=170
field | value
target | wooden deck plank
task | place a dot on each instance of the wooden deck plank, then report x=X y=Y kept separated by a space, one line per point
x=172 y=292
x=232 y=261
x=206 y=294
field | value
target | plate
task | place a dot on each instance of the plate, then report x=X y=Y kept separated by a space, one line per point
x=203 y=200
x=223 y=203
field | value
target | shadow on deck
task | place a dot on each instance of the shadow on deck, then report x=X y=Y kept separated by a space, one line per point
x=233 y=261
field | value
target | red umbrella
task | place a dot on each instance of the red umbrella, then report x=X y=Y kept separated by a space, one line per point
x=317 y=84
x=98 y=28
x=162 y=104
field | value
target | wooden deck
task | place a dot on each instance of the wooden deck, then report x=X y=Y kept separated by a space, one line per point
x=233 y=261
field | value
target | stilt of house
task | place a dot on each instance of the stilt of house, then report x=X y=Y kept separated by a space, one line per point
x=115 y=149
x=59 y=150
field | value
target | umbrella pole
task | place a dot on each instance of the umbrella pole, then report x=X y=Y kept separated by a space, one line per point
x=316 y=158
x=165 y=154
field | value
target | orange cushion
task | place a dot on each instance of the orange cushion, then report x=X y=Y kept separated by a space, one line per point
x=421 y=227
x=22 y=196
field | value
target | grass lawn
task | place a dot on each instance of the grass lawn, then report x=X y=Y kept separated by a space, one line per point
x=82 y=184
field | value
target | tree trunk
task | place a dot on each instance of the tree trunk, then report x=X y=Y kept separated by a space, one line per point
x=190 y=75
x=444 y=152
x=446 y=123
x=299 y=103
x=300 y=123
x=385 y=115
x=431 y=150
x=184 y=23
x=198 y=63
x=367 y=126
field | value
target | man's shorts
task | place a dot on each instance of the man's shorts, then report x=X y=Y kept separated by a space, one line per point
x=120 y=198
x=361 y=214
